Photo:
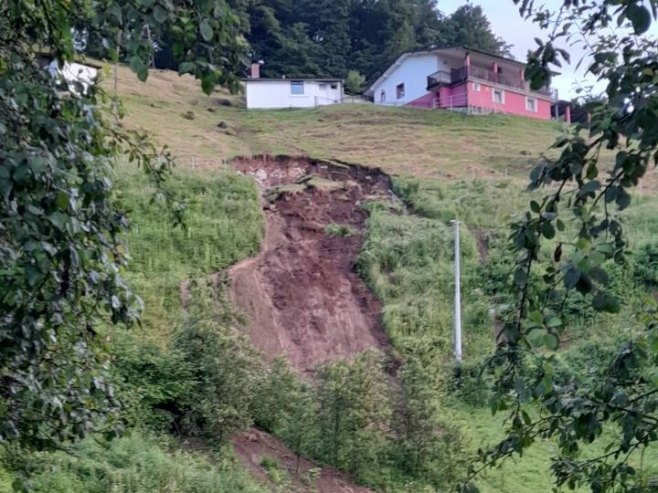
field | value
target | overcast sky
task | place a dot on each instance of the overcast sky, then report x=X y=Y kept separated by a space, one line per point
x=508 y=24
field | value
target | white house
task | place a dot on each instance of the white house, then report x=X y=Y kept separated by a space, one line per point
x=406 y=80
x=263 y=93
x=72 y=76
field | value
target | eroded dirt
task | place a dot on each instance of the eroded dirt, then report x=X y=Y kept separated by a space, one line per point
x=301 y=294
x=255 y=448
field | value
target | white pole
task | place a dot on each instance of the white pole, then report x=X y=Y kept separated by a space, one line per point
x=458 y=307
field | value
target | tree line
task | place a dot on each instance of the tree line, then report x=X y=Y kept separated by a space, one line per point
x=330 y=38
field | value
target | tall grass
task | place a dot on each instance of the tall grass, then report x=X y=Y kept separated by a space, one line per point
x=136 y=464
x=223 y=225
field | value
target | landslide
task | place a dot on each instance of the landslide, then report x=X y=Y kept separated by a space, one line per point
x=302 y=296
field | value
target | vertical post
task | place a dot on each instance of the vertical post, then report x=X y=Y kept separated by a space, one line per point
x=458 y=303
x=148 y=35
x=116 y=64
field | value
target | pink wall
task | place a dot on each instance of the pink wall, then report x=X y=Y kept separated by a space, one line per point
x=464 y=95
x=453 y=97
x=426 y=101
x=514 y=102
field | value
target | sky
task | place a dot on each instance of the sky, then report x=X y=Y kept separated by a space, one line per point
x=508 y=24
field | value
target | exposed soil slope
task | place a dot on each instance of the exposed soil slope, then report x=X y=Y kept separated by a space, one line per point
x=301 y=475
x=301 y=294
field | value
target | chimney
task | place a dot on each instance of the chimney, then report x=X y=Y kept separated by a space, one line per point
x=255 y=70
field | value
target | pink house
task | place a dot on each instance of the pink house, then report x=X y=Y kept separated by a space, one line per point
x=461 y=79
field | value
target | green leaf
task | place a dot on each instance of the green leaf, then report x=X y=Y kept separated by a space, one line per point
x=553 y=321
x=186 y=68
x=206 y=30
x=160 y=14
x=208 y=83
x=537 y=337
x=62 y=201
x=623 y=199
x=571 y=277
x=551 y=341
x=548 y=230
x=138 y=66
x=640 y=17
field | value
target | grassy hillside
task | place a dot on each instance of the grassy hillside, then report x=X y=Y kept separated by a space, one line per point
x=400 y=140
x=445 y=165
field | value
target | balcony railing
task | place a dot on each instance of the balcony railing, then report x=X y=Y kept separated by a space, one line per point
x=461 y=74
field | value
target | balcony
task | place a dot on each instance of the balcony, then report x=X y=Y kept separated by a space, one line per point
x=455 y=76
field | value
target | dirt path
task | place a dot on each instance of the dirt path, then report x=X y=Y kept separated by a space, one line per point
x=301 y=294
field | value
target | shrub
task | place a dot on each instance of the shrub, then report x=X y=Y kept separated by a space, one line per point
x=224 y=365
x=354 y=82
x=135 y=464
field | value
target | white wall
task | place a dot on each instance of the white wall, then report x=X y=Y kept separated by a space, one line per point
x=73 y=72
x=412 y=72
x=276 y=94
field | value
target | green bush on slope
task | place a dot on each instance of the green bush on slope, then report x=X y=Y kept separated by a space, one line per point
x=136 y=464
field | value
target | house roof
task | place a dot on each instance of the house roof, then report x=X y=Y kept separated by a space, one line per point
x=294 y=79
x=454 y=50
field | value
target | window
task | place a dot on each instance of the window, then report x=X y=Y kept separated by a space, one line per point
x=323 y=86
x=334 y=86
x=531 y=104
x=476 y=86
x=498 y=96
x=399 y=91
x=297 y=87
x=382 y=96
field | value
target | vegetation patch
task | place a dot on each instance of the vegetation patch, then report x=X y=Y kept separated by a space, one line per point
x=340 y=230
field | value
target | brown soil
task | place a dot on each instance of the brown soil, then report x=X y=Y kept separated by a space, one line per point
x=301 y=294
x=302 y=475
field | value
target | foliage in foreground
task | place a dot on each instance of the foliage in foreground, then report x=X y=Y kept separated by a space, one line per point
x=622 y=394
x=61 y=252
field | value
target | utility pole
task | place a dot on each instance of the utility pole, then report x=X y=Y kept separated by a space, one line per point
x=458 y=295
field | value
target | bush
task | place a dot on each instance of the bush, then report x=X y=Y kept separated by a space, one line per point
x=354 y=82
x=225 y=368
x=152 y=383
x=645 y=263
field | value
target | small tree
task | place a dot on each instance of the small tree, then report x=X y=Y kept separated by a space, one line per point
x=225 y=368
x=354 y=82
x=354 y=413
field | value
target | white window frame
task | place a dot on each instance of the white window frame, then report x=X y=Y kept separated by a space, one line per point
x=400 y=91
x=296 y=83
x=477 y=86
x=528 y=107
x=502 y=96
